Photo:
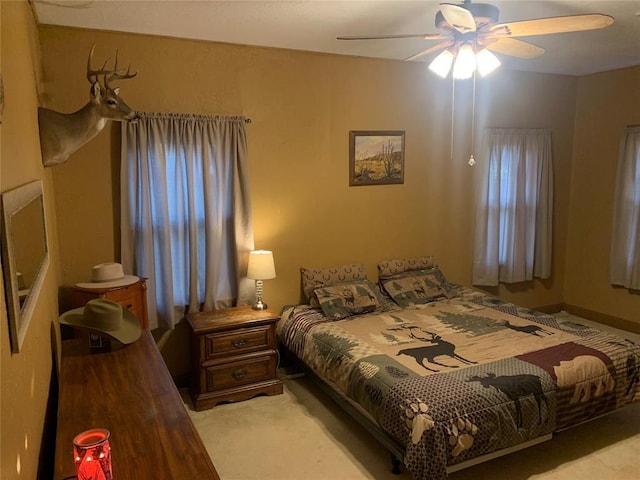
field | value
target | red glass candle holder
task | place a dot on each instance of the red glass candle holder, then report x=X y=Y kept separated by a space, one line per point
x=92 y=455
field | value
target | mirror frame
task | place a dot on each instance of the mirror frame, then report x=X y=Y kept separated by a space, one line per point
x=20 y=317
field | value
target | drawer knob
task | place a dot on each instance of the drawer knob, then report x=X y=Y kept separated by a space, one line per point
x=239 y=374
x=239 y=342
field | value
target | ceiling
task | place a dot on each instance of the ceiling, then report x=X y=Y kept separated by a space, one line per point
x=313 y=25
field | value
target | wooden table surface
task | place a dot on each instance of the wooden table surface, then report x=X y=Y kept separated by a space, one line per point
x=130 y=392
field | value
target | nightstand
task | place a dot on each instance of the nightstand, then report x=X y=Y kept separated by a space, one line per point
x=234 y=355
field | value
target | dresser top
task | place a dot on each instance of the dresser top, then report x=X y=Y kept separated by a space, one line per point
x=130 y=392
x=230 y=318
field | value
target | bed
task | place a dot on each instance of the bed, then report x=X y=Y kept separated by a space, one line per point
x=444 y=375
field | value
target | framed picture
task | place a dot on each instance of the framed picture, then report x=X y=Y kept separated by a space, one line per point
x=376 y=157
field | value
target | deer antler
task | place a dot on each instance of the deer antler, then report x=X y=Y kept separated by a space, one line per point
x=115 y=75
x=411 y=328
x=92 y=75
x=108 y=74
x=434 y=336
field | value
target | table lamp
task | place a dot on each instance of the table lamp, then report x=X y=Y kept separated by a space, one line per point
x=260 y=268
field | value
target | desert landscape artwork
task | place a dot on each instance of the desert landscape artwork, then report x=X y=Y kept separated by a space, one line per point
x=376 y=157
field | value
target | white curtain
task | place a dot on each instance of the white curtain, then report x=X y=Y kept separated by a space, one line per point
x=186 y=212
x=625 y=242
x=514 y=212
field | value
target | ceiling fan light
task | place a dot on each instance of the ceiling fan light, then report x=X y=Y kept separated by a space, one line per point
x=465 y=63
x=487 y=62
x=442 y=64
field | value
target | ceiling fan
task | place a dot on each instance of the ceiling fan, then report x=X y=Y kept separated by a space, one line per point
x=470 y=31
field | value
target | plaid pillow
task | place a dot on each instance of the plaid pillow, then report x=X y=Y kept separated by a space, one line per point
x=346 y=299
x=417 y=287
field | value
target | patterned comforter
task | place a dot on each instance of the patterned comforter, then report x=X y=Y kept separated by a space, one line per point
x=462 y=377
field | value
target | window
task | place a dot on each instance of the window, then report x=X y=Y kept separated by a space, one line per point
x=625 y=242
x=514 y=214
x=186 y=217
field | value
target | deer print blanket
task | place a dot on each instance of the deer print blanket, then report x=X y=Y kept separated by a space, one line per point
x=462 y=377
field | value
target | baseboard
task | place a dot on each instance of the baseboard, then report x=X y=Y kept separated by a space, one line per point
x=603 y=318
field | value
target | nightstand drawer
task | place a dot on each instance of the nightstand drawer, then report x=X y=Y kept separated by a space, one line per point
x=243 y=372
x=237 y=341
x=125 y=294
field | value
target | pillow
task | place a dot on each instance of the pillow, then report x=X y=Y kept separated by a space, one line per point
x=390 y=268
x=313 y=278
x=343 y=300
x=417 y=287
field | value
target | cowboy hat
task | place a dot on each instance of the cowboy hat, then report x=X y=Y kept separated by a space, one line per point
x=104 y=317
x=108 y=275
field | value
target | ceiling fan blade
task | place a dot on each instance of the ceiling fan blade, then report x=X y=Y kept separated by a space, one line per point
x=440 y=46
x=545 y=26
x=514 y=48
x=458 y=17
x=425 y=36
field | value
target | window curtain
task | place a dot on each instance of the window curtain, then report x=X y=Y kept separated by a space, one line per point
x=513 y=236
x=625 y=243
x=186 y=212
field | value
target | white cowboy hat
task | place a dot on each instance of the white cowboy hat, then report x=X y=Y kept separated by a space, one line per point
x=108 y=275
x=104 y=317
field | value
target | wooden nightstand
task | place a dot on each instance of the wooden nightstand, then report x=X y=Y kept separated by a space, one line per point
x=234 y=355
x=133 y=297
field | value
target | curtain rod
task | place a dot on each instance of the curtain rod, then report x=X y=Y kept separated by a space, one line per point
x=195 y=115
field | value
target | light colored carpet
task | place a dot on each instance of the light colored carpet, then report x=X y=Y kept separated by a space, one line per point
x=304 y=435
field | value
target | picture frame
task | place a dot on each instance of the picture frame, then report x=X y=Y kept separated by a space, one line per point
x=376 y=157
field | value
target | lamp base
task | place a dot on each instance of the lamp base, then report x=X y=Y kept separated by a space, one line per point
x=259 y=305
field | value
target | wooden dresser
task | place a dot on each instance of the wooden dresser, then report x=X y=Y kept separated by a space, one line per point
x=133 y=297
x=234 y=355
x=129 y=392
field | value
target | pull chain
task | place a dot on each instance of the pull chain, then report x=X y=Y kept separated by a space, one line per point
x=453 y=113
x=472 y=161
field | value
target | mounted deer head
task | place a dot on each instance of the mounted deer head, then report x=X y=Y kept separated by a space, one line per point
x=61 y=134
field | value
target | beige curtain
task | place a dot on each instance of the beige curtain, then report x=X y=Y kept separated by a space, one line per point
x=625 y=242
x=514 y=212
x=186 y=212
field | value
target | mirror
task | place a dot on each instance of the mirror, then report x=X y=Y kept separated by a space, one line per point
x=25 y=255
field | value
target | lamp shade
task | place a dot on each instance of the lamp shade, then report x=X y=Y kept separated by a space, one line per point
x=442 y=63
x=465 y=63
x=261 y=266
x=487 y=62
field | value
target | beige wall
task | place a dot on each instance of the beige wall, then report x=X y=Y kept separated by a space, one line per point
x=25 y=376
x=302 y=106
x=607 y=102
